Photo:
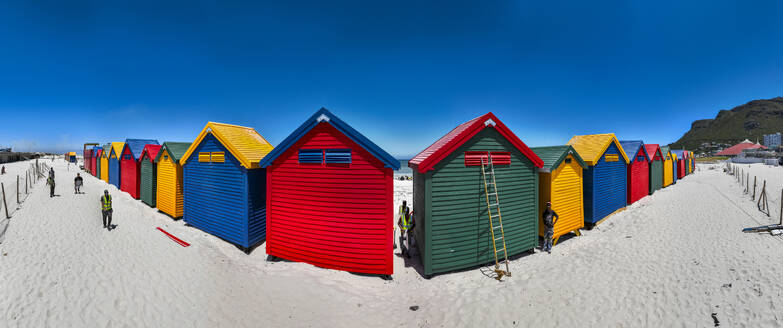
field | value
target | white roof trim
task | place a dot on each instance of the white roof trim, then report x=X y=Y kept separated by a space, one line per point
x=322 y=118
x=489 y=122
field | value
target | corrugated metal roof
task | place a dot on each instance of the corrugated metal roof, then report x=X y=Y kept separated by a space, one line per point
x=433 y=154
x=552 y=156
x=72 y=153
x=151 y=150
x=116 y=149
x=174 y=149
x=324 y=115
x=632 y=147
x=136 y=146
x=247 y=145
x=592 y=146
x=651 y=149
x=680 y=153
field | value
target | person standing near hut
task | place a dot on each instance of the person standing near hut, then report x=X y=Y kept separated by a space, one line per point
x=406 y=225
x=550 y=219
x=106 y=209
x=77 y=183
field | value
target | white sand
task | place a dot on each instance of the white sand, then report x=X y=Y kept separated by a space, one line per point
x=663 y=262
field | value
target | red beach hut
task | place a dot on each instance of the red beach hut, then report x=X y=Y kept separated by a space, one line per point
x=129 y=165
x=638 y=170
x=329 y=198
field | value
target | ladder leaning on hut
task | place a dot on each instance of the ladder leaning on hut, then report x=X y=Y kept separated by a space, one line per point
x=488 y=175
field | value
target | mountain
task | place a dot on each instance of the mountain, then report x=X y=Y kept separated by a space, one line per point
x=749 y=121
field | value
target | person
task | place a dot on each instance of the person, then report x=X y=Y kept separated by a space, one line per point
x=106 y=209
x=77 y=183
x=51 y=173
x=50 y=182
x=406 y=225
x=3 y=172
x=549 y=215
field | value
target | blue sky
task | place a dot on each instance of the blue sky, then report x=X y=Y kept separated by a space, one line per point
x=402 y=72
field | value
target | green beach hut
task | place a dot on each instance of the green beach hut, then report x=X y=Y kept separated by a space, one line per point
x=450 y=203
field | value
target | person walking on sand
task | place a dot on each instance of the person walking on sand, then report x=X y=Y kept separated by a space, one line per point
x=106 y=209
x=549 y=215
x=3 y=171
x=77 y=183
x=51 y=173
x=50 y=182
x=406 y=225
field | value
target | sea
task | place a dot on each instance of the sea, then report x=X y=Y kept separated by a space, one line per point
x=404 y=169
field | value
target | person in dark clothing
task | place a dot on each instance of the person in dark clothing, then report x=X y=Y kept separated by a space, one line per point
x=106 y=209
x=406 y=225
x=3 y=172
x=77 y=183
x=51 y=173
x=50 y=182
x=550 y=219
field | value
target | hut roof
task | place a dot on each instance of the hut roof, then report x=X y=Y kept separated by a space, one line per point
x=151 y=150
x=136 y=146
x=174 y=149
x=552 y=156
x=444 y=146
x=116 y=149
x=651 y=149
x=592 y=146
x=632 y=147
x=324 y=115
x=247 y=145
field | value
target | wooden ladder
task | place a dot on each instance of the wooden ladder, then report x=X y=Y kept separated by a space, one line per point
x=493 y=206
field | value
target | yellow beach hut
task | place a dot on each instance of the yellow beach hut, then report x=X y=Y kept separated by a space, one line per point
x=667 y=166
x=169 y=189
x=105 y=163
x=560 y=182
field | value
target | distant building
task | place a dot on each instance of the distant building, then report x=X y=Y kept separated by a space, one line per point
x=738 y=148
x=772 y=140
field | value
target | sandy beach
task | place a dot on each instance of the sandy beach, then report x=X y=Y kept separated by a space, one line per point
x=672 y=259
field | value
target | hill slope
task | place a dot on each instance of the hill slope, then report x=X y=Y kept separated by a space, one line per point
x=749 y=121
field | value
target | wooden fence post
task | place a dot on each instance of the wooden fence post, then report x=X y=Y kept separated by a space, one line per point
x=17 y=189
x=754 y=189
x=4 y=203
x=781 y=207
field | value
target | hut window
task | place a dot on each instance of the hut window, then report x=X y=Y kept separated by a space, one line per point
x=311 y=156
x=612 y=157
x=203 y=157
x=476 y=158
x=127 y=156
x=217 y=157
x=568 y=161
x=338 y=156
x=640 y=158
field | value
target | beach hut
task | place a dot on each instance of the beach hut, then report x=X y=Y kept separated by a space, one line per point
x=606 y=179
x=96 y=158
x=105 y=162
x=450 y=196
x=114 y=163
x=679 y=164
x=224 y=190
x=560 y=182
x=693 y=162
x=129 y=164
x=656 y=166
x=87 y=156
x=638 y=170
x=169 y=184
x=667 y=166
x=674 y=166
x=71 y=157
x=148 y=174
x=327 y=169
